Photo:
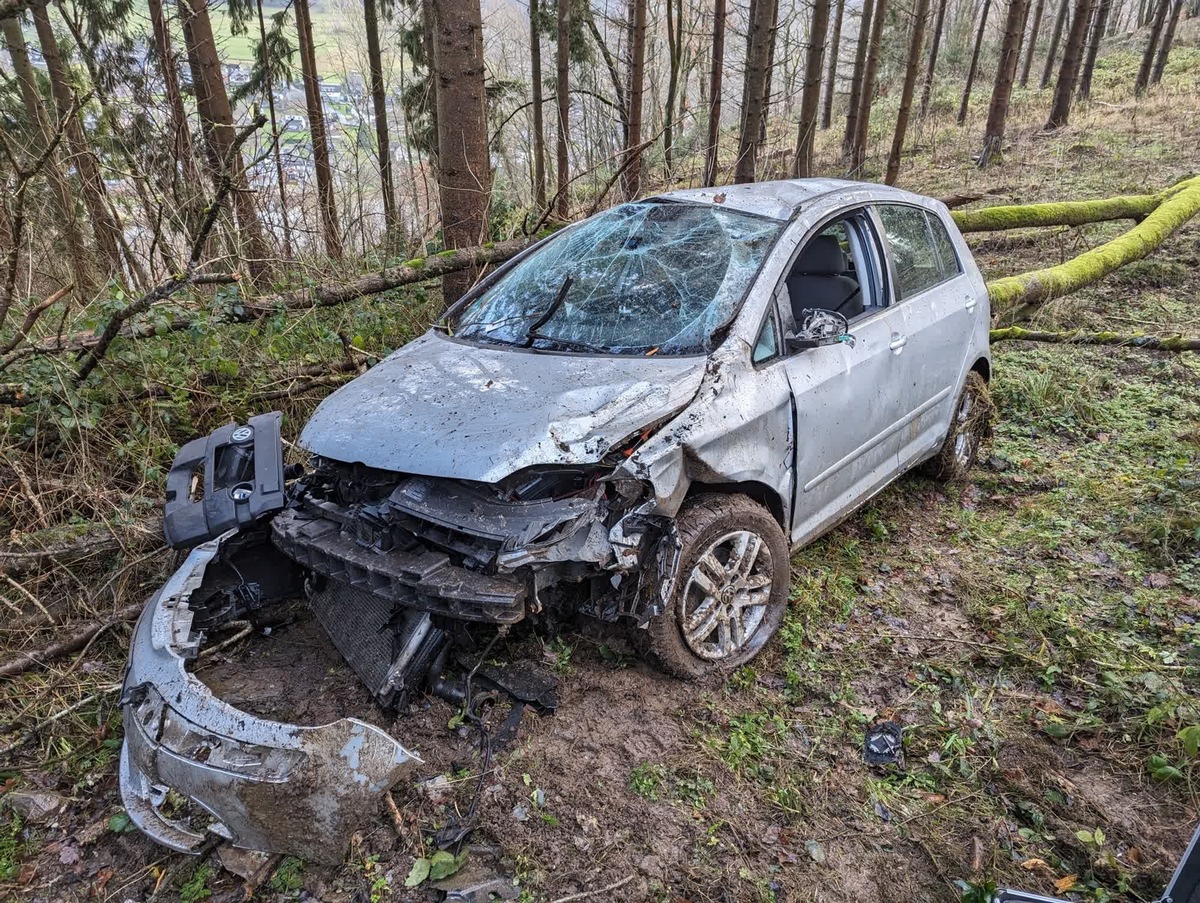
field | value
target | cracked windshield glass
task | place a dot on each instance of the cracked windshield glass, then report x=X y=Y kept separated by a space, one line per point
x=642 y=278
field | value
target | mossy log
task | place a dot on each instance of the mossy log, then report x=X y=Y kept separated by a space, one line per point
x=1157 y=343
x=1014 y=297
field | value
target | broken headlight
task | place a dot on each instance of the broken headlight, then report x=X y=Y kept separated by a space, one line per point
x=540 y=483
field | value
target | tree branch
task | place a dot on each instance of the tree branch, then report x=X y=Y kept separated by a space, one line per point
x=1155 y=343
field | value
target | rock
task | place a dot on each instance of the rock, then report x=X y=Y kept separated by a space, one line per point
x=243 y=863
x=37 y=806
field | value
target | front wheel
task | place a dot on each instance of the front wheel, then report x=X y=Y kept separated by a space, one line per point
x=730 y=591
x=969 y=429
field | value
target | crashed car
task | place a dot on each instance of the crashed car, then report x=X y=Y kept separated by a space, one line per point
x=635 y=421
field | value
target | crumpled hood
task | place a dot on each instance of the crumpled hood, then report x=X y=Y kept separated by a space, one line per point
x=448 y=409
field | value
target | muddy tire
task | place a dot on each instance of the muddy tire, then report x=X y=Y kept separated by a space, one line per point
x=731 y=590
x=970 y=428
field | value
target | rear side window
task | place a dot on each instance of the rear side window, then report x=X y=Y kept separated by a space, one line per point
x=947 y=256
x=912 y=245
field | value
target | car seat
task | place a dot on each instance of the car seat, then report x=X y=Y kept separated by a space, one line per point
x=819 y=280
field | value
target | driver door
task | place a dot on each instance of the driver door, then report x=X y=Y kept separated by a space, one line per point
x=846 y=408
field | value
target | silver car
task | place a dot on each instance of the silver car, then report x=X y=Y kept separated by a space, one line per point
x=634 y=421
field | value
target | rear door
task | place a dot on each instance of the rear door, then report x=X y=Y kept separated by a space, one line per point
x=938 y=315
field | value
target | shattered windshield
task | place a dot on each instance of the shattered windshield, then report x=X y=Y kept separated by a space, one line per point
x=647 y=277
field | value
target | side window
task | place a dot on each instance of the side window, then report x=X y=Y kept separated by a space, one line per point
x=912 y=248
x=947 y=256
x=834 y=271
x=767 y=345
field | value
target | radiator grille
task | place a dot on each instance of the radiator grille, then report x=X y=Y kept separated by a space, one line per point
x=358 y=623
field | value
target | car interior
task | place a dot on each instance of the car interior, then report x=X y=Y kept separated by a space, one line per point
x=826 y=275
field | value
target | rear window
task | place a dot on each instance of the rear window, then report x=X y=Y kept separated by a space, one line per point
x=921 y=249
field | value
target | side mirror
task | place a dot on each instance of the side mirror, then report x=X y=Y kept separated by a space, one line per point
x=818 y=327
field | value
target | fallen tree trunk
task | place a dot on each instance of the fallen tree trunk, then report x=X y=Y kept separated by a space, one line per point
x=1156 y=343
x=1062 y=213
x=141 y=535
x=72 y=642
x=1015 y=297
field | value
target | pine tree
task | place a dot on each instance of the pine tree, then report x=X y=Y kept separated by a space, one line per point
x=856 y=77
x=1006 y=72
x=1064 y=88
x=383 y=143
x=858 y=153
x=714 y=93
x=935 y=43
x=916 y=46
x=637 y=81
x=974 y=67
x=835 y=46
x=314 y=105
x=759 y=39
x=810 y=97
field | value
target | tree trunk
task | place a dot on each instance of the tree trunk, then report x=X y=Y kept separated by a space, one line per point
x=1160 y=61
x=632 y=177
x=935 y=43
x=382 y=136
x=539 y=129
x=758 y=54
x=858 y=153
x=614 y=74
x=856 y=77
x=1060 y=22
x=1006 y=71
x=562 y=89
x=916 y=47
x=1093 y=48
x=714 y=93
x=835 y=47
x=768 y=76
x=675 y=54
x=1064 y=88
x=810 y=95
x=464 y=168
x=974 y=67
x=216 y=116
x=181 y=138
x=289 y=250
x=1156 y=27
x=1034 y=28
x=326 y=199
x=44 y=131
x=81 y=156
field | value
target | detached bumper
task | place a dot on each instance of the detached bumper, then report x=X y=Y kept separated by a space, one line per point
x=260 y=784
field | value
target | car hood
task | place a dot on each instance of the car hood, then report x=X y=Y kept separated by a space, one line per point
x=474 y=412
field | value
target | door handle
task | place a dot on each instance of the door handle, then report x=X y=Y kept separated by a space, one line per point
x=970 y=305
x=898 y=342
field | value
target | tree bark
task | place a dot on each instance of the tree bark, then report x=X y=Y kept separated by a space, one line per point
x=39 y=121
x=1164 y=50
x=326 y=199
x=216 y=116
x=714 y=93
x=1096 y=35
x=562 y=205
x=1006 y=71
x=858 y=153
x=935 y=44
x=810 y=95
x=632 y=178
x=1156 y=27
x=835 y=47
x=382 y=136
x=539 y=129
x=856 y=77
x=81 y=156
x=916 y=47
x=1060 y=21
x=464 y=167
x=1064 y=88
x=674 y=10
x=974 y=67
x=1031 y=49
x=758 y=55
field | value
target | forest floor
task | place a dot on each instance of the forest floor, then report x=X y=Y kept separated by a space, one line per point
x=1034 y=629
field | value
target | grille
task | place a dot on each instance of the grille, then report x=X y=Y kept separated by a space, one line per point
x=359 y=625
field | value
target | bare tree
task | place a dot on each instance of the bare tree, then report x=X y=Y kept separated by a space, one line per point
x=1164 y=50
x=562 y=89
x=637 y=82
x=1031 y=48
x=714 y=92
x=759 y=41
x=464 y=169
x=974 y=67
x=810 y=95
x=835 y=47
x=915 y=48
x=935 y=43
x=1006 y=71
x=1064 y=88
x=1099 y=20
x=858 y=152
x=1156 y=27
x=856 y=77
x=383 y=144
x=1060 y=21
x=276 y=153
x=674 y=9
x=539 y=128
x=326 y=200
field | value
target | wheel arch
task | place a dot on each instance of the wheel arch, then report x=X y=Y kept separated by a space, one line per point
x=759 y=492
x=984 y=368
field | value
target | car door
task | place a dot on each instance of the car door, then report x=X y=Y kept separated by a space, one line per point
x=845 y=441
x=937 y=317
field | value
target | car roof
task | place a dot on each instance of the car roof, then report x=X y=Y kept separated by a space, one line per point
x=782 y=199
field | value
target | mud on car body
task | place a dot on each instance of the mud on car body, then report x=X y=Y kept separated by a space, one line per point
x=634 y=421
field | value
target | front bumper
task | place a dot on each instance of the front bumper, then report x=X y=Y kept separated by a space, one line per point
x=259 y=784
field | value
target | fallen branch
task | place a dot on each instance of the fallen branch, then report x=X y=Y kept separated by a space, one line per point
x=1063 y=213
x=142 y=534
x=36 y=729
x=72 y=642
x=32 y=316
x=1156 y=343
x=1015 y=297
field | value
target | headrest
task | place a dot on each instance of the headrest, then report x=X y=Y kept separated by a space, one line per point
x=822 y=257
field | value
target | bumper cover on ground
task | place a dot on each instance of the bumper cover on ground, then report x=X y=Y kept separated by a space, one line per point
x=260 y=784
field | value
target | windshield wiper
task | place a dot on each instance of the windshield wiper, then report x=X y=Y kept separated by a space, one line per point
x=532 y=332
x=569 y=344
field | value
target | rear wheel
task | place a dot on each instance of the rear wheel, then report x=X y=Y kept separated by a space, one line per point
x=730 y=591
x=969 y=430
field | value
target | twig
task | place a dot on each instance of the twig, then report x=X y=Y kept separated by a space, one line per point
x=600 y=890
x=30 y=596
x=27 y=661
x=32 y=317
x=57 y=716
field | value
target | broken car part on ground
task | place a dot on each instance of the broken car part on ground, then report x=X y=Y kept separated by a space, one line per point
x=635 y=421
